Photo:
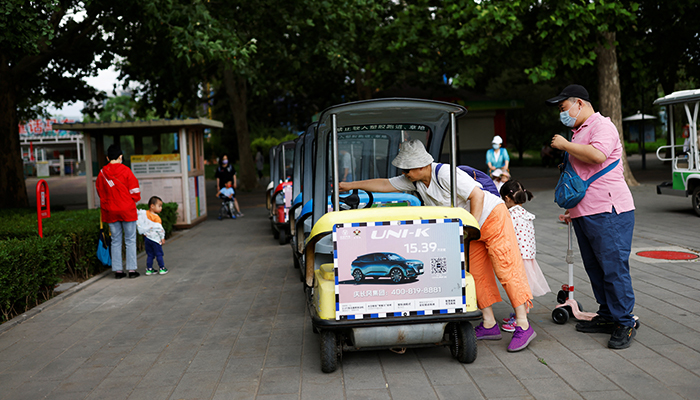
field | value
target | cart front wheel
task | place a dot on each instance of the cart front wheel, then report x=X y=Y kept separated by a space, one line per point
x=696 y=200
x=560 y=315
x=329 y=351
x=463 y=346
x=396 y=275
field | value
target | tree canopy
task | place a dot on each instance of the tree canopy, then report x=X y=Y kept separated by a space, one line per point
x=271 y=64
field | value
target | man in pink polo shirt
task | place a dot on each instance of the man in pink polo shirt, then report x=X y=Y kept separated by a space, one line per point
x=604 y=219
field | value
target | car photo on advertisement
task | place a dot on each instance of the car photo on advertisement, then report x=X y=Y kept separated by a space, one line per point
x=385 y=265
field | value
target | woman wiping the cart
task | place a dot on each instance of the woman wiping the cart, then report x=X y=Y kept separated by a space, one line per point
x=497 y=249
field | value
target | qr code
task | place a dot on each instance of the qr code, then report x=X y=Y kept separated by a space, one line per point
x=438 y=265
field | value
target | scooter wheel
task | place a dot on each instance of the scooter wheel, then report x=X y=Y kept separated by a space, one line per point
x=562 y=296
x=560 y=315
x=329 y=351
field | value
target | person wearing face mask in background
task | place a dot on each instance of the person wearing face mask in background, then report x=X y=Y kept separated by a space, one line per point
x=226 y=172
x=604 y=219
x=496 y=157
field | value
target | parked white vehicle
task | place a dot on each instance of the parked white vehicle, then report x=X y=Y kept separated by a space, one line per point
x=684 y=157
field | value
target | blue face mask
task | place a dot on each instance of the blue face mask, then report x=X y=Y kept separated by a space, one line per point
x=496 y=146
x=567 y=119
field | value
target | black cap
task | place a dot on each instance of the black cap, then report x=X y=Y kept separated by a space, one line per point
x=569 y=91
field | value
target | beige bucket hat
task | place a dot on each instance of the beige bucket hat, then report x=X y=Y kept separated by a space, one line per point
x=412 y=154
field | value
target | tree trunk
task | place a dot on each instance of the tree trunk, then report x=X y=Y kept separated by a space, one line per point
x=364 y=92
x=238 y=99
x=13 y=191
x=609 y=91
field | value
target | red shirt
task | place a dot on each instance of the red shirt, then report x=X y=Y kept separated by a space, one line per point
x=119 y=191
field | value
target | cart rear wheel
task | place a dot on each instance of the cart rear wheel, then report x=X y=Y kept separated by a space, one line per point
x=696 y=200
x=282 y=236
x=463 y=346
x=357 y=275
x=396 y=275
x=560 y=315
x=329 y=351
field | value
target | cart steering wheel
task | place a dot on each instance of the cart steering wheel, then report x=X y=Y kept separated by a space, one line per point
x=352 y=201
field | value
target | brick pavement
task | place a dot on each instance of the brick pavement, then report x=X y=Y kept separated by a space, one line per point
x=229 y=322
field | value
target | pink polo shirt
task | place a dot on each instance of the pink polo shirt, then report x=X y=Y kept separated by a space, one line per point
x=610 y=190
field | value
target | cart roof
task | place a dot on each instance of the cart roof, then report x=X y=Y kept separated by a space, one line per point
x=379 y=111
x=682 y=96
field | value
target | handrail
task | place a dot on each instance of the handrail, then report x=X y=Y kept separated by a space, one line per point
x=667 y=147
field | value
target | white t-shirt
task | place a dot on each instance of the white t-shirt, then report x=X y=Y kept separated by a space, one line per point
x=439 y=195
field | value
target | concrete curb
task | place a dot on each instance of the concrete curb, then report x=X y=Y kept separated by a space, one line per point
x=68 y=293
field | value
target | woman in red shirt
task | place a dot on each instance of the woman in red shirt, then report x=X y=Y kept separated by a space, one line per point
x=119 y=191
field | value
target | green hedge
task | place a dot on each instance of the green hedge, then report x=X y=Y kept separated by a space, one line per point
x=29 y=270
x=30 y=266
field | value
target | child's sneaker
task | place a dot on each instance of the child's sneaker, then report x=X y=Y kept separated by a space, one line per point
x=487 y=334
x=511 y=318
x=509 y=326
x=150 y=271
x=163 y=271
x=240 y=214
x=521 y=338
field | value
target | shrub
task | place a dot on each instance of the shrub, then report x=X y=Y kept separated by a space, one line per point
x=29 y=269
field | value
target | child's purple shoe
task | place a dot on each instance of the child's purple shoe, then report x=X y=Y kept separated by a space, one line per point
x=493 y=333
x=521 y=338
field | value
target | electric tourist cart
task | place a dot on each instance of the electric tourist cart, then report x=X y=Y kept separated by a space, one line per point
x=387 y=274
x=685 y=158
x=281 y=198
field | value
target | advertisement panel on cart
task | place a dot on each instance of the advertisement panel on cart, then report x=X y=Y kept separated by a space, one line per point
x=399 y=268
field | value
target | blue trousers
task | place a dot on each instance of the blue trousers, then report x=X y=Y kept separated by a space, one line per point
x=127 y=230
x=605 y=241
x=153 y=250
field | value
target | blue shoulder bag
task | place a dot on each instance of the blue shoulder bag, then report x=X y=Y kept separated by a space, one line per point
x=571 y=188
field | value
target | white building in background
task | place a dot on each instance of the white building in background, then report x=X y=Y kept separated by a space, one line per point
x=42 y=147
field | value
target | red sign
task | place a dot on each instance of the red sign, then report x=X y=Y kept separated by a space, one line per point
x=43 y=204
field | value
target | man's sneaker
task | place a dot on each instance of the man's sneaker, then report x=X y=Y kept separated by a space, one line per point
x=150 y=271
x=163 y=271
x=597 y=325
x=511 y=318
x=119 y=274
x=487 y=334
x=622 y=337
x=509 y=327
x=134 y=274
x=219 y=218
x=521 y=338
x=233 y=216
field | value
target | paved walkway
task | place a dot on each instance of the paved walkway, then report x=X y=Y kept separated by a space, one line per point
x=229 y=322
